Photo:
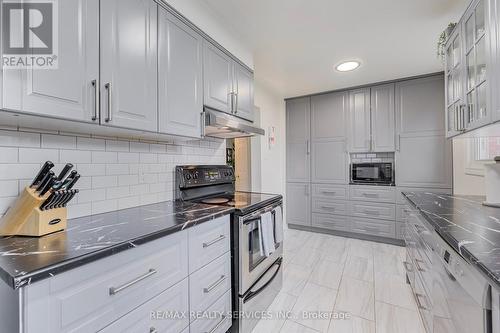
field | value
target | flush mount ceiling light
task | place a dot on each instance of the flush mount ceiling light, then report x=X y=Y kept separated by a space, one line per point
x=347 y=66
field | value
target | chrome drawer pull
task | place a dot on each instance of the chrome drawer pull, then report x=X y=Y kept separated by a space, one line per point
x=327 y=207
x=218 y=239
x=219 y=324
x=114 y=291
x=153 y=330
x=418 y=266
x=370 y=195
x=407 y=264
x=214 y=285
x=419 y=305
x=374 y=212
x=329 y=192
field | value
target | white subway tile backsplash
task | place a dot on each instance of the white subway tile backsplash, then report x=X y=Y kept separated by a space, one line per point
x=9 y=155
x=115 y=173
x=38 y=155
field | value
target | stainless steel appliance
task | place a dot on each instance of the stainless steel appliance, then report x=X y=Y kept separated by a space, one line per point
x=225 y=126
x=372 y=173
x=451 y=296
x=257 y=279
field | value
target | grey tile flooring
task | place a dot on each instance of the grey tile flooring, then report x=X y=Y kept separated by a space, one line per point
x=354 y=286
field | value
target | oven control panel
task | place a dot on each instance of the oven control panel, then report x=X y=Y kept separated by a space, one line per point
x=192 y=176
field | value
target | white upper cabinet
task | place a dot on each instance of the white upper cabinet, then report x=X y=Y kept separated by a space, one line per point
x=218 y=78
x=129 y=64
x=71 y=90
x=180 y=78
x=383 y=118
x=243 y=92
x=359 y=120
x=298 y=144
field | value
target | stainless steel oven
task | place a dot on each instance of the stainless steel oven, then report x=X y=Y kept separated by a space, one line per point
x=372 y=173
x=260 y=277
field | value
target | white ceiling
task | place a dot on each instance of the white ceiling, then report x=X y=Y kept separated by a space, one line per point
x=296 y=43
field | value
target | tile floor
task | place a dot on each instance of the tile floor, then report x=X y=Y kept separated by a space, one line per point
x=335 y=275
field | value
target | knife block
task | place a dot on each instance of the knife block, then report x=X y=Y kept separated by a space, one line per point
x=24 y=217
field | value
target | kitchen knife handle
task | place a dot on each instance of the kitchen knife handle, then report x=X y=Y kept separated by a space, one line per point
x=94 y=85
x=69 y=198
x=52 y=182
x=70 y=185
x=47 y=201
x=109 y=118
x=45 y=180
x=65 y=171
x=43 y=171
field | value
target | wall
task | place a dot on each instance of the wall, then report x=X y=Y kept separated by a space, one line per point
x=116 y=174
x=464 y=183
x=205 y=18
x=272 y=108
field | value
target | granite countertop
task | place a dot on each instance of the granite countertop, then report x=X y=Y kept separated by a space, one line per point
x=471 y=229
x=24 y=260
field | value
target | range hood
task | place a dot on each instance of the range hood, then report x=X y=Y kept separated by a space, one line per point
x=224 y=126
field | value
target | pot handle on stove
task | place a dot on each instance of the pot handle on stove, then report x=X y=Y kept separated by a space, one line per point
x=251 y=294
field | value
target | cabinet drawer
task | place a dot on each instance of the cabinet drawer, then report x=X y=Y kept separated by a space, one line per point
x=209 y=283
x=372 y=193
x=208 y=241
x=329 y=191
x=333 y=222
x=219 y=323
x=374 y=210
x=91 y=297
x=330 y=207
x=400 y=198
x=400 y=230
x=424 y=304
x=153 y=316
x=373 y=227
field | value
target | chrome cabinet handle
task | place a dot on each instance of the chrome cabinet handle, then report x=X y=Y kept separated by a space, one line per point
x=328 y=207
x=329 y=192
x=398 y=142
x=308 y=147
x=219 y=324
x=114 y=291
x=374 y=212
x=417 y=298
x=94 y=85
x=407 y=266
x=218 y=239
x=235 y=103
x=215 y=284
x=231 y=101
x=153 y=330
x=203 y=124
x=417 y=266
x=109 y=118
x=370 y=195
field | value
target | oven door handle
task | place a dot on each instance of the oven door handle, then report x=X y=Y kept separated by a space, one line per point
x=251 y=294
x=270 y=208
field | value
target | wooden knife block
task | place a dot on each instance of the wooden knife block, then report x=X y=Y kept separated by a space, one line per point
x=24 y=217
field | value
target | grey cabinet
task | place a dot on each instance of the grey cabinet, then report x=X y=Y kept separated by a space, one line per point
x=423 y=156
x=218 y=78
x=298 y=142
x=328 y=142
x=129 y=64
x=298 y=203
x=71 y=90
x=359 y=120
x=180 y=77
x=243 y=92
x=228 y=86
x=383 y=120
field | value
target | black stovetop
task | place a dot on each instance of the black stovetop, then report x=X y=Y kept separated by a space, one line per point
x=242 y=202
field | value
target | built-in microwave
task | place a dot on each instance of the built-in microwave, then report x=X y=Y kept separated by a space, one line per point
x=372 y=173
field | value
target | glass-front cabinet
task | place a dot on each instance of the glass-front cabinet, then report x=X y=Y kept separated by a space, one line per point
x=468 y=48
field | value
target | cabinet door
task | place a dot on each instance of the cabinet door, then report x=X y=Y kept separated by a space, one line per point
x=129 y=64
x=359 y=120
x=180 y=75
x=328 y=116
x=298 y=139
x=419 y=106
x=424 y=161
x=298 y=203
x=70 y=91
x=243 y=89
x=218 y=78
x=383 y=118
x=329 y=162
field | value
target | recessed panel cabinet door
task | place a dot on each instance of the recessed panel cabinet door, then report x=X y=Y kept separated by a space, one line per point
x=243 y=81
x=383 y=118
x=218 y=78
x=359 y=120
x=328 y=116
x=70 y=91
x=329 y=162
x=298 y=149
x=129 y=64
x=298 y=203
x=180 y=60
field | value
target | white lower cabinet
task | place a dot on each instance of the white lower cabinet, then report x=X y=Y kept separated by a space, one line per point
x=124 y=292
x=219 y=323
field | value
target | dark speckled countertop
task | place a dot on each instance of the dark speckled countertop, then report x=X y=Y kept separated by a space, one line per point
x=471 y=229
x=24 y=260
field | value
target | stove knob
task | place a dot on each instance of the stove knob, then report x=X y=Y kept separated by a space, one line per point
x=188 y=176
